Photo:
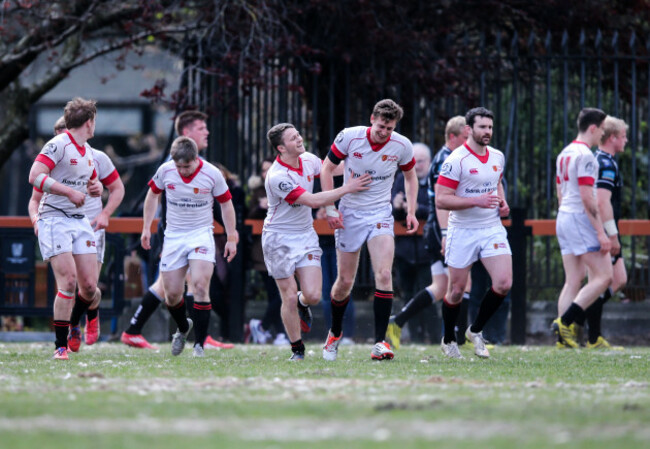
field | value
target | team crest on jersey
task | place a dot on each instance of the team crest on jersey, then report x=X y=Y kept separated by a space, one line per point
x=446 y=169
x=473 y=171
x=90 y=243
x=201 y=250
x=50 y=148
x=73 y=162
x=285 y=186
x=389 y=158
x=499 y=245
x=313 y=257
x=495 y=168
x=358 y=155
x=339 y=137
x=309 y=178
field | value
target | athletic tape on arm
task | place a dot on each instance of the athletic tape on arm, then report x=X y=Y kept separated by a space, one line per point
x=44 y=182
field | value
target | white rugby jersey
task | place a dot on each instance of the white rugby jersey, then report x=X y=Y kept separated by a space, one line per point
x=71 y=165
x=473 y=175
x=379 y=160
x=575 y=166
x=284 y=184
x=107 y=173
x=190 y=200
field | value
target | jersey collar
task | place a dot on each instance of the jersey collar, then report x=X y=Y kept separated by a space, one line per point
x=483 y=159
x=193 y=175
x=373 y=145
x=583 y=143
x=297 y=170
x=80 y=148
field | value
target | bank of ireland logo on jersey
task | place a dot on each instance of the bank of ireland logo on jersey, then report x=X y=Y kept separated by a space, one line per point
x=285 y=186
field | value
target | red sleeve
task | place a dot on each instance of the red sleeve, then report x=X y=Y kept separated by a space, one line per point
x=226 y=196
x=407 y=167
x=110 y=178
x=447 y=182
x=586 y=181
x=154 y=187
x=46 y=160
x=337 y=153
x=294 y=194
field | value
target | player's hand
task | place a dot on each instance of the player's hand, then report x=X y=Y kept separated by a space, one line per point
x=616 y=245
x=145 y=239
x=360 y=183
x=99 y=222
x=230 y=251
x=95 y=188
x=335 y=222
x=488 y=201
x=443 y=243
x=504 y=208
x=77 y=198
x=605 y=244
x=411 y=224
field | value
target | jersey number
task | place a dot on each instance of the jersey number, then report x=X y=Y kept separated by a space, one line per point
x=564 y=168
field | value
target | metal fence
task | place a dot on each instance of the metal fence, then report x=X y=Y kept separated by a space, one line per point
x=534 y=84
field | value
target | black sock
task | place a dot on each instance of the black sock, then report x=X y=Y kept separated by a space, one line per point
x=421 y=300
x=298 y=347
x=491 y=302
x=147 y=307
x=572 y=312
x=189 y=303
x=449 y=317
x=178 y=314
x=81 y=304
x=92 y=313
x=595 y=315
x=338 y=310
x=461 y=321
x=201 y=316
x=61 y=333
x=382 y=306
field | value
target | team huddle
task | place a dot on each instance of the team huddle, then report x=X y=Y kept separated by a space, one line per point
x=465 y=186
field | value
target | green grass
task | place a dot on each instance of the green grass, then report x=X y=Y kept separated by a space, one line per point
x=112 y=396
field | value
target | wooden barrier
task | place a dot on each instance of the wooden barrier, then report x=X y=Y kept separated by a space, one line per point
x=134 y=226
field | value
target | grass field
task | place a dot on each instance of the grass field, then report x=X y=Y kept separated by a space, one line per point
x=112 y=396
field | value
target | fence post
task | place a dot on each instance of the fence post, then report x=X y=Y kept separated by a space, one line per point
x=517 y=235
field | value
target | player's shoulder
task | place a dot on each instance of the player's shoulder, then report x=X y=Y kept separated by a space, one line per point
x=99 y=155
x=310 y=157
x=348 y=134
x=401 y=139
x=496 y=152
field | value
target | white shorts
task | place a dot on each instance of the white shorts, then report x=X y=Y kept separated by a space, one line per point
x=438 y=268
x=576 y=234
x=361 y=226
x=465 y=246
x=100 y=243
x=284 y=253
x=181 y=246
x=58 y=235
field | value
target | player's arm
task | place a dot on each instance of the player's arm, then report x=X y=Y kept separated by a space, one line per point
x=558 y=192
x=327 y=170
x=151 y=202
x=604 y=197
x=39 y=177
x=115 y=197
x=504 y=208
x=32 y=208
x=591 y=208
x=230 y=223
x=411 y=187
x=316 y=200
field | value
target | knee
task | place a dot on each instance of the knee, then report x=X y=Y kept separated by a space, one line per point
x=502 y=286
x=618 y=284
x=384 y=277
x=200 y=290
x=87 y=289
x=455 y=293
x=344 y=284
x=312 y=295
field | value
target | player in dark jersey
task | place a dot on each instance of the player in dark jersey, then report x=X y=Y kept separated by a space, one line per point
x=455 y=135
x=609 y=185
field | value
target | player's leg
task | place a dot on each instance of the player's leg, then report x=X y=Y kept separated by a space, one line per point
x=381 y=249
x=289 y=311
x=92 y=331
x=153 y=297
x=65 y=274
x=451 y=308
x=174 y=286
x=86 y=266
x=574 y=273
x=595 y=311
x=200 y=272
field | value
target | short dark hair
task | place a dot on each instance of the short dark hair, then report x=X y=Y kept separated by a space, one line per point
x=588 y=117
x=184 y=149
x=274 y=135
x=471 y=115
x=186 y=118
x=387 y=109
x=78 y=111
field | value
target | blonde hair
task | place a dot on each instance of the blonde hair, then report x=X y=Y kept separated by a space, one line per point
x=612 y=126
x=455 y=126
